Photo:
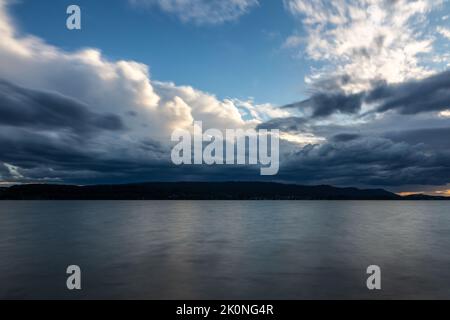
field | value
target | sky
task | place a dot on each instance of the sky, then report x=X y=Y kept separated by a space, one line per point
x=360 y=89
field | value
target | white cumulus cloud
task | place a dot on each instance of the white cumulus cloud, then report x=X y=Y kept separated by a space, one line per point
x=150 y=110
x=364 y=41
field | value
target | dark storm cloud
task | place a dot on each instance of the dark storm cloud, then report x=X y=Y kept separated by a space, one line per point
x=413 y=97
x=388 y=151
x=28 y=148
x=324 y=104
x=50 y=137
x=291 y=124
x=430 y=94
x=434 y=138
x=368 y=161
x=69 y=159
x=4 y=172
x=152 y=145
x=23 y=107
x=344 y=137
x=347 y=160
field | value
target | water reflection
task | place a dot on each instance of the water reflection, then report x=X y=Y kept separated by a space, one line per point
x=224 y=250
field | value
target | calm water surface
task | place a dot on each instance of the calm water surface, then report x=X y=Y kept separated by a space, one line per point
x=224 y=250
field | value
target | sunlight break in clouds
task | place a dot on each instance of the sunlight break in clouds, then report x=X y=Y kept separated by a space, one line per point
x=445 y=193
x=202 y=11
x=365 y=41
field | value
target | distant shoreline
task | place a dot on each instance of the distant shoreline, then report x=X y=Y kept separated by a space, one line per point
x=200 y=191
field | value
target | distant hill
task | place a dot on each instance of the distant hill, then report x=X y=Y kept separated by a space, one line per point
x=198 y=191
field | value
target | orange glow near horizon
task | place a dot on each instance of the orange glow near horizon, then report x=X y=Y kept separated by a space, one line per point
x=405 y=194
x=445 y=193
x=442 y=193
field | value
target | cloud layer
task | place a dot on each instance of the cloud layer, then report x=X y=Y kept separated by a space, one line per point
x=412 y=97
x=375 y=115
x=202 y=11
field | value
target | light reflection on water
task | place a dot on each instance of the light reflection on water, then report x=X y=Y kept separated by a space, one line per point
x=224 y=250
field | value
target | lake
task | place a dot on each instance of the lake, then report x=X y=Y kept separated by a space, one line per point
x=225 y=249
